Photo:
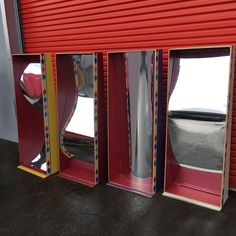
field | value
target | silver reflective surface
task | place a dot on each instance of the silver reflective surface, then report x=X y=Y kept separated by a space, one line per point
x=197 y=110
x=79 y=133
x=31 y=86
x=140 y=79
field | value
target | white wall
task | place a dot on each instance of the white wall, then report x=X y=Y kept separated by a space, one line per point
x=8 y=127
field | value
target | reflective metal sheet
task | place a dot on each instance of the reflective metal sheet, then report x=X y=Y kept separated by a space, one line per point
x=78 y=138
x=197 y=110
x=140 y=71
x=31 y=86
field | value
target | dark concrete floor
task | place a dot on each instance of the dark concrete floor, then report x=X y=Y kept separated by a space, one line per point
x=54 y=206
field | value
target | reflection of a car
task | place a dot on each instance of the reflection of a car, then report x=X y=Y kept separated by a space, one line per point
x=197 y=138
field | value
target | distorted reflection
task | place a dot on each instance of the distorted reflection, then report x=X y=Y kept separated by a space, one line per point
x=197 y=109
x=79 y=134
x=31 y=86
x=140 y=79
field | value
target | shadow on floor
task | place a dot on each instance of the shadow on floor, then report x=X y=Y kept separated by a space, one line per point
x=55 y=206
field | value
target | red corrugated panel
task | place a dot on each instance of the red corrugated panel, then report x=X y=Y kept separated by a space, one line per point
x=94 y=25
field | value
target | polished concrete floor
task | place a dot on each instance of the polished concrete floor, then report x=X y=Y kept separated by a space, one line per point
x=55 y=206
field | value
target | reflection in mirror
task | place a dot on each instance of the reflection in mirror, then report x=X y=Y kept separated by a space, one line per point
x=31 y=86
x=197 y=109
x=78 y=133
x=132 y=126
x=140 y=71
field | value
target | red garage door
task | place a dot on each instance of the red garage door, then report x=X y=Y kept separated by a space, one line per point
x=95 y=25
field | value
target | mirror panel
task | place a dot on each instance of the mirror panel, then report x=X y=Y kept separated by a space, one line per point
x=197 y=111
x=78 y=138
x=139 y=86
x=31 y=86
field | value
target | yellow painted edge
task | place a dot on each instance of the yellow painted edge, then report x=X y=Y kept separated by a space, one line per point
x=34 y=172
x=52 y=114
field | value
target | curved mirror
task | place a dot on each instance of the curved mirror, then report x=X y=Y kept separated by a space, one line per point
x=78 y=134
x=198 y=107
x=31 y=86
x=140 y=71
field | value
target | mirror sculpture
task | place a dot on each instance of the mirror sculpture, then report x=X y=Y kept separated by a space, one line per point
x=77 y=137
x=33 y=78
x=198 y=117
x=81 y=118
x=133 y=106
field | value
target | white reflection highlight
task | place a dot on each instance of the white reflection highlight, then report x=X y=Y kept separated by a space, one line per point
x=202 y=85
x=82 y=121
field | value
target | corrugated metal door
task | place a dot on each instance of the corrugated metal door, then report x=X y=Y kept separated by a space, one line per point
x=102 y=25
